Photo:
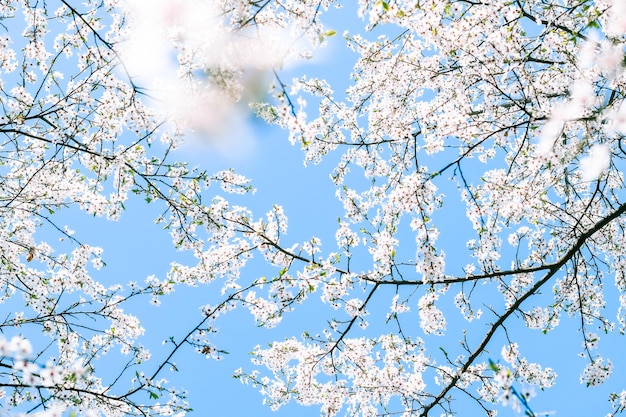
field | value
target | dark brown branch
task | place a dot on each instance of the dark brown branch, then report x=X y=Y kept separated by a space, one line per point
x=552 y=270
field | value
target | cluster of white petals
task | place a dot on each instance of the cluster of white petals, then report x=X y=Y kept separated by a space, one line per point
x=522 y=108
x=477 y=158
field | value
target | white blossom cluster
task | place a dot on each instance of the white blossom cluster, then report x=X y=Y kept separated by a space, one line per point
x=19 y=351
x=373 y=371
x=515 y=386
x=77 y=136
x=596 y=372
x=520 y=105
x=16 y=354
x=478 y=145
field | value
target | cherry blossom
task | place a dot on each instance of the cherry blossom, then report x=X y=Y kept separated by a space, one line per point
x=476 y=154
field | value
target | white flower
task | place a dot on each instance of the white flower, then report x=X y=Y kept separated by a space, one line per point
x=610 y=58
x=510 y=352
x=582 y=97
x=593 y=165
x=51 y=375
x=20 y=347
x=596 y=372
x=4 y=347
x=508 y=398
x=432 y=320
x=528 y=392
x=617 y=119
x=550 y=132
x=617 y=21
x=27 y=369
x=503 y=378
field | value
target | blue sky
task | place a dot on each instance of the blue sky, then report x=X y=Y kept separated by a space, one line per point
x=307 y=195
x=135 y=248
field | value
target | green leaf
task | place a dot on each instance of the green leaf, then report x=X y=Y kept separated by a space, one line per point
x=383 y=4
x=329 y=33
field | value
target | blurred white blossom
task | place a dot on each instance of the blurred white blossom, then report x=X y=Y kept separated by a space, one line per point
x=594 y=164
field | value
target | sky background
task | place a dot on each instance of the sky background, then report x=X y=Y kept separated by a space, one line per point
x=135 y=248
